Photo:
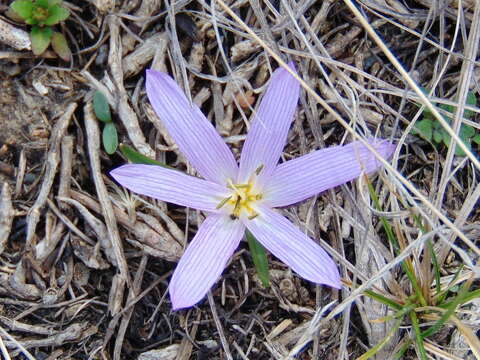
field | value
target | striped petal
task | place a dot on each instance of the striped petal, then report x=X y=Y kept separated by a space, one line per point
x=195 y=136
x=271 y=123
x=299 y=179
x=293 y=247
x=170 y=185
x=204 y=260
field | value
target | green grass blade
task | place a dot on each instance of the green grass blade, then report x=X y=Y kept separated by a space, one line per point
x=382 y=299
x=399 y=354
x=459 y=299
x=436 y=268
x=260 y=259
x=444 y=293
x=469 y=296
x=393 y=240
x=370 y=353
x=418 y=336
x=137 y=158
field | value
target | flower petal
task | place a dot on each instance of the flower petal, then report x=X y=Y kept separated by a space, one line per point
x=170 y=185
x=271 y=123
x=293 y=247
x=204 y=260
x=194 y=134
x=299 y=179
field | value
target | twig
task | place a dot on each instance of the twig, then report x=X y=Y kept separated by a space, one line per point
x=135 y=62
x=218 y=324
x=125 y=112
x=53 y=158
x=16 y=344
x=14 y=37
x=7 y=214
x=4 y=350
x=126 y=316
x=465 y=79
x=22 y=166
x=66 y=169
x=93 y=136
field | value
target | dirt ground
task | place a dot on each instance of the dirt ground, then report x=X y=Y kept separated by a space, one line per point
x=85 y=264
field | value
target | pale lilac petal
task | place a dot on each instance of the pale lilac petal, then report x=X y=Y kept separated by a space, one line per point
x=271 y=123
x=195 y=136
x=170 y=185
x=204 y=260
x=299 y=179
x=293 y=247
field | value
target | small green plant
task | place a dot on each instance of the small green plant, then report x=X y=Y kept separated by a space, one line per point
x=431 y=130
x=102 y=112
x=42 y=15
x=429 y=303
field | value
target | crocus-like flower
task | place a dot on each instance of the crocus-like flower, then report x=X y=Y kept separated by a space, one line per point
x=238 y=197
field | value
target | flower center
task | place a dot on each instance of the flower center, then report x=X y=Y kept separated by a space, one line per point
x=242 y=198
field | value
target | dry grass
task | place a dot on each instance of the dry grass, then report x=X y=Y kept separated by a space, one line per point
x=85 y=265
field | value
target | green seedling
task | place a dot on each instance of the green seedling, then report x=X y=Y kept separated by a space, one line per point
x=102 y=112
x=431 y=130
x=428 y=305
x=42 y=15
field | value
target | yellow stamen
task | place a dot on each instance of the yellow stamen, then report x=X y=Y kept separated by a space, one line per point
x=223 y=202
x=253 y=216
x=259 y=169
x=242 y=198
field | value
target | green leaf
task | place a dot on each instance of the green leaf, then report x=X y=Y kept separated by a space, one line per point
x=60 y=46
x=466 y=131
x=446 y=138
x=424 y=129
x=472 y=101
x=259 y=257
x=31 y=21
x=101 y=107
x=437 y=136
x=54 y=2
x=42 y=3
x=476 y=139
x=459 y=151
x=137 y=158
x=56 y=14
x=14 y=16
x=22 y=8
x=40 y=38
x=110 y=138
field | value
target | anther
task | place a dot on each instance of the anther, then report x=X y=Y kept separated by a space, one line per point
x=259 y=169
x=223 y=202
x=253 y=216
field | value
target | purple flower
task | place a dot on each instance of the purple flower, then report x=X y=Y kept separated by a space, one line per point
x=238 y=197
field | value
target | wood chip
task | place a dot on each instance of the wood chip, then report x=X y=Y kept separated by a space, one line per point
x=7 y=214
x=14 y=37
